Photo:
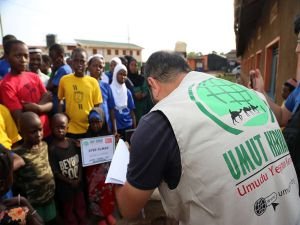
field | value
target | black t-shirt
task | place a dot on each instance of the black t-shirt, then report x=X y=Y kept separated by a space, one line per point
x=154 y=154
x=65 y=161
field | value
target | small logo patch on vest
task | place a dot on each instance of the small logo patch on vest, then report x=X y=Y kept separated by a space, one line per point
x=260 y=206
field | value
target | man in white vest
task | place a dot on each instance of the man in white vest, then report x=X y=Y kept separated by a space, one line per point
x=214 y=149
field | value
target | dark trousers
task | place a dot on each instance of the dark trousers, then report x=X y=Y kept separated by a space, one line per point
x=74 y=210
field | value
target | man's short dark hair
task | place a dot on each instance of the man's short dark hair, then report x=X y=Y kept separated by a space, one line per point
x=165 y=65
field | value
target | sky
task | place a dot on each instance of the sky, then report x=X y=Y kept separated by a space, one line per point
x=204 y=25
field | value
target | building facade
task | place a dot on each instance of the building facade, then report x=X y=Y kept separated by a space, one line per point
x=107 y=49
x=110 y=49
x=265 y=39
x=207 y=63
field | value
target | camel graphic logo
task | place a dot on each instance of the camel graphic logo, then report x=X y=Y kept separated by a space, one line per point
x=231 y=106
x=261 y=205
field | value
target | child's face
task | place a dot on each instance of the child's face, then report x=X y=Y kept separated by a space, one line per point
x=285 y=92
x=133 y=66
x=79 y=63
x=45 y=67
x=57 y=59
x=33 y=132
x=60 y=127
x=96 y=124
x=112 y=66
x=18 y=58
x=35 y=61
x=121 y=76
x=96 y=67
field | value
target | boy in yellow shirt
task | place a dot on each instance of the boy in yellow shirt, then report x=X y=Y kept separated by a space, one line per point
x=8 y=131
x=80 y=92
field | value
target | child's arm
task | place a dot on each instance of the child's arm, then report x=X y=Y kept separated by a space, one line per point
x=60 y=107
x=16 y=114
x=36 y=108
x=113 y=121
x=45 y=104
x=133 y=119
x=18 y=161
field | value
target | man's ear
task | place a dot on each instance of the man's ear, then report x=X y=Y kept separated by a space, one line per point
x=154 y=85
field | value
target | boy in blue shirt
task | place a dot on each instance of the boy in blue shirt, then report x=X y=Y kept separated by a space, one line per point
x=59 y=69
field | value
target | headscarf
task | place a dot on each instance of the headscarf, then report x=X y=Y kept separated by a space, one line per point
x=116 y=59
x=135 y=78
x=119 y=91
x=90 y=61
x=34 y=50
x=95 y=115
x=98 y=113
x=95 y=56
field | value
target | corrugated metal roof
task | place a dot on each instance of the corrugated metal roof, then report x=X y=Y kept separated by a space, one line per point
x=107 y=44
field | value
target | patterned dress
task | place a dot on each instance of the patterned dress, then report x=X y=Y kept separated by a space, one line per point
x=14 y=216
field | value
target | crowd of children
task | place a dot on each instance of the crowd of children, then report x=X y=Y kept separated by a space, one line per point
x=47 y=107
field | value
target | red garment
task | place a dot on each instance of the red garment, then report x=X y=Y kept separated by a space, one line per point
x=101 y=195
x=26 y=87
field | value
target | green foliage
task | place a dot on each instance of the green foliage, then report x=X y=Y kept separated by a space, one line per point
x=226 y=76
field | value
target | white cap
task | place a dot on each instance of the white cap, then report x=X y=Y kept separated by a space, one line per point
x=180 y=46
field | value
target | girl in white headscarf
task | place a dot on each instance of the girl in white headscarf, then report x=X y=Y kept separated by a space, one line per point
x=113 y=62
x=124 y=104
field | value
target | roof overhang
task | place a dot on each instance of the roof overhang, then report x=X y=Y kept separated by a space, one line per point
x=246 y=15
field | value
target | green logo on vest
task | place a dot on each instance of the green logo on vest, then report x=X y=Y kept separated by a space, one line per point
x=231 y=106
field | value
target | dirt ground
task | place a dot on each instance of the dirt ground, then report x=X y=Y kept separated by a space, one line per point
x=153 y=214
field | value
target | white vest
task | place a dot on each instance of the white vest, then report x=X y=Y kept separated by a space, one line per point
x=236 y=169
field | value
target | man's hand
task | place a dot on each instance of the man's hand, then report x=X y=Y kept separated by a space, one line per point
x=131 y=200
x=258 y=81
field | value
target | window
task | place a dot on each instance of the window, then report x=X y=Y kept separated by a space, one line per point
x=124 y=52
x=94 y=51
x=108 y=52
x=271 y=64
x=137 y=52
x=131 y=53
x=116 y=51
